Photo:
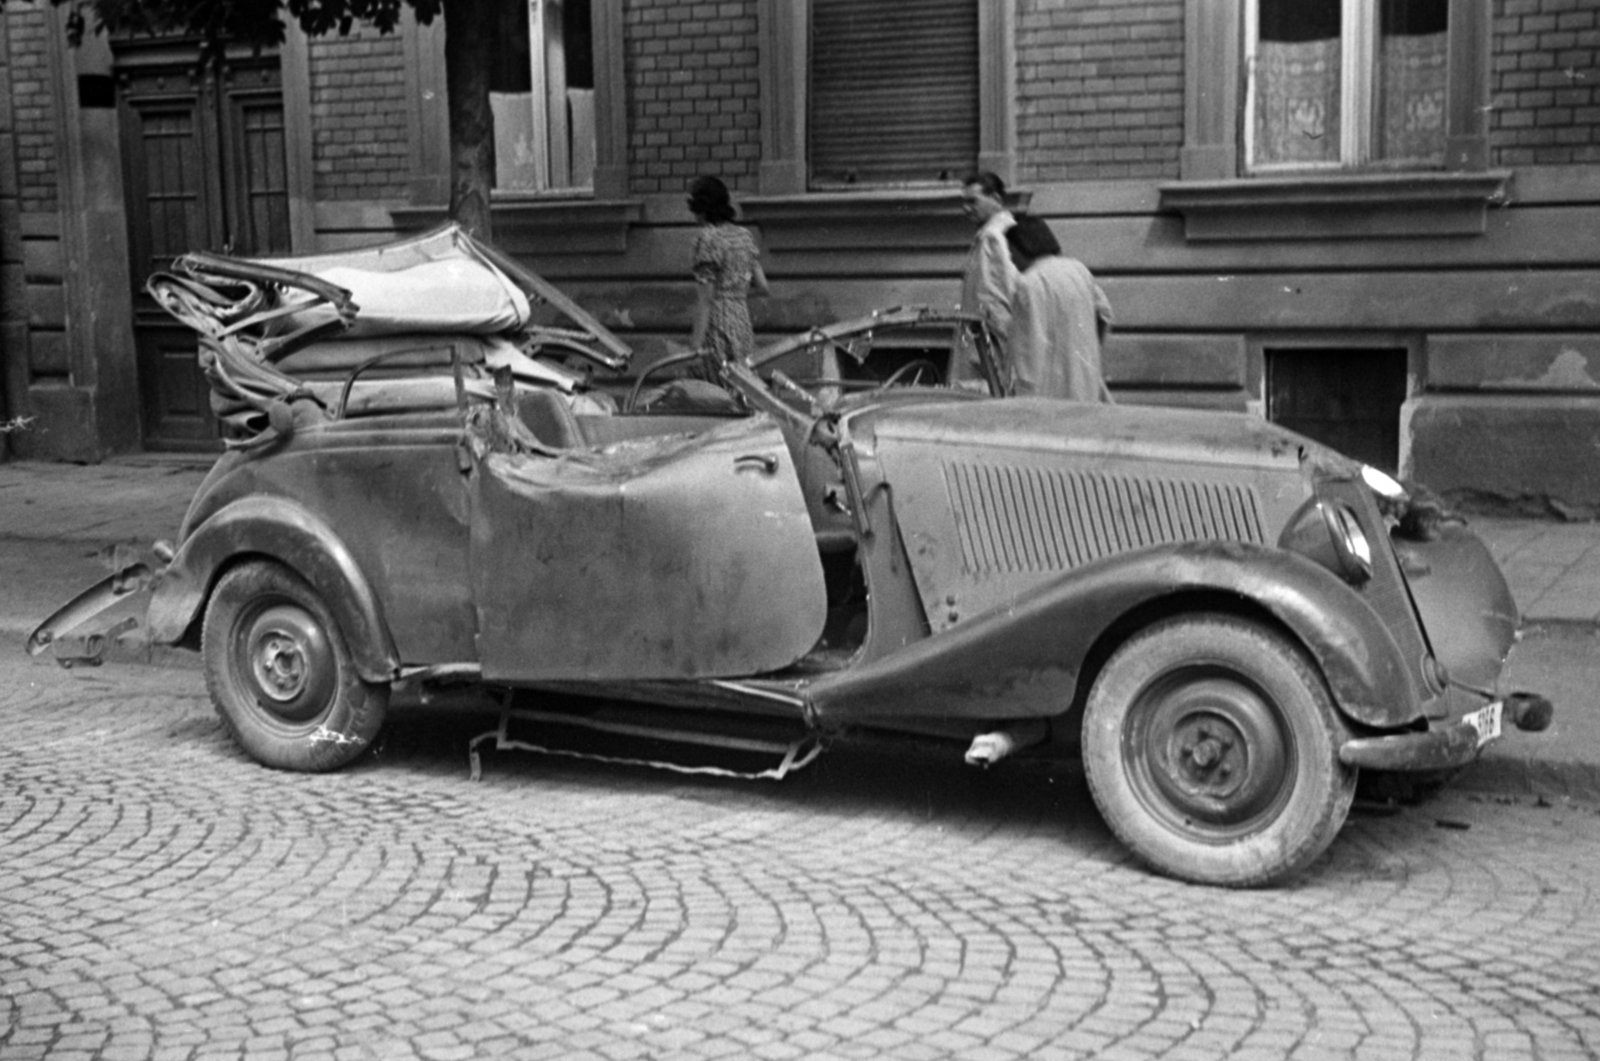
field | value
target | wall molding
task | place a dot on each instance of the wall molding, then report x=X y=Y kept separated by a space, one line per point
x=1347 y=206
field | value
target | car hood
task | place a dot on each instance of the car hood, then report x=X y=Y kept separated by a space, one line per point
x=1117 y=433
x=995 y=499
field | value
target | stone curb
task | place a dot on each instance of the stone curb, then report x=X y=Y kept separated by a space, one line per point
x=1513 y=775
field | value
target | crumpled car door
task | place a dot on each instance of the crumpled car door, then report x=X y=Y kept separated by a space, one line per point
x=674 y=556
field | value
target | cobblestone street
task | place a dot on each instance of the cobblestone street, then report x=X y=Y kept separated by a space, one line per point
x=161 y=896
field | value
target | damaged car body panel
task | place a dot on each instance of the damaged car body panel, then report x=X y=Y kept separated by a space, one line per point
x=426 y=495
x=393 y=501
x=290 y=533
x=1027 y=657
x=656 y=558
x=1469 y=630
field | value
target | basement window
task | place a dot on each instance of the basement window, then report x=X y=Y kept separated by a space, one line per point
x=1347 y=398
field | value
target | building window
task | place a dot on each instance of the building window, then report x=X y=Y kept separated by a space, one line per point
x=893 y=91
x=543 y=98
x=1346 y=83
x=885 y=93
x=1281 y=87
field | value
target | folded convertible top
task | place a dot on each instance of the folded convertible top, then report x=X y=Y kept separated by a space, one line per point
x=252 y=313
x=440 y=281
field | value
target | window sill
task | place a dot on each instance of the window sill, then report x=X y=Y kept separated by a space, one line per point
x=876 y=219
x=543 y=224
x=1348 y=206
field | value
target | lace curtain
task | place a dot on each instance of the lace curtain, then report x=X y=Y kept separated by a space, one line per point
x=1297 y=105
x=1297 y=101
x=1412 y=97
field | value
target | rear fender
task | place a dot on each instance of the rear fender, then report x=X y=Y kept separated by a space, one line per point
x=1027 y=658
x=284 y=531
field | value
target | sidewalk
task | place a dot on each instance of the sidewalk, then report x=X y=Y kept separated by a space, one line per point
x=1553 y=567
x=60 y=524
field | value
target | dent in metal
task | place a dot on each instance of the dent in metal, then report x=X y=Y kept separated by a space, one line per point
x=86 y=627
x=674 y=556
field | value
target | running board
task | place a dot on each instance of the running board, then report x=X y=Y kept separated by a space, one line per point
x=795 y=754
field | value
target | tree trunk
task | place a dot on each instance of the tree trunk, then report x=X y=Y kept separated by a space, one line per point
x=469 y=28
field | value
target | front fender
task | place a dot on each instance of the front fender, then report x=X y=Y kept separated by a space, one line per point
x=1026 y=659
x=1464 y=601
x=287 y=532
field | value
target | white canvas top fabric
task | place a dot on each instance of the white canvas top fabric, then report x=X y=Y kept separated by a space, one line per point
x=430 y=284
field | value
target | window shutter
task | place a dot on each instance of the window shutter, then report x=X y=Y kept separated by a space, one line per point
x=894 y=91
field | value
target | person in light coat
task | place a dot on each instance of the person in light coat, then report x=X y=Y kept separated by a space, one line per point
x=1059 y=318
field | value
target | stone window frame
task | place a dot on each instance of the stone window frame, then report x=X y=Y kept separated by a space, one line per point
x=1220 y=200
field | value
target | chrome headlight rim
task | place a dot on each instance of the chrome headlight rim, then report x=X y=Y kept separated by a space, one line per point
x=1350 y=542
x=1384 y=485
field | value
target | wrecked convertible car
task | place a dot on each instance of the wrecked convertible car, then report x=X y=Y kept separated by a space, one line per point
x=422 y=500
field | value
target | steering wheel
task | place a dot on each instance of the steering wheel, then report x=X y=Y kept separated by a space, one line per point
x=650 y=370
x=913 y=368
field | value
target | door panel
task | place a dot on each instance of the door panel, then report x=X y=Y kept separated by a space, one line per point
x=671 y=557
x=205 y=169
x=395 y=494
x=168 y=211
x=170 y=385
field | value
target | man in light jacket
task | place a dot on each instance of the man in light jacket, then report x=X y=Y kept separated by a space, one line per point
x=988 y=275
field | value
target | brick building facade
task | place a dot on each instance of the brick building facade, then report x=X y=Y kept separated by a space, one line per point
x=359 y=131
x=692 y=94
x=1431 y=307
x=1099 y=91
x=1545 y=93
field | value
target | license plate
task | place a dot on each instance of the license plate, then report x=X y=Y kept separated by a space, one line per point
x=1486 y=720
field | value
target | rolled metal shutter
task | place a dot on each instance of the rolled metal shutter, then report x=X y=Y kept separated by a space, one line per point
x=894 y=91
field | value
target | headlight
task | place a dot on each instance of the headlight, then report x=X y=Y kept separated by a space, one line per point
x=1383 y=484
x=1349 y=541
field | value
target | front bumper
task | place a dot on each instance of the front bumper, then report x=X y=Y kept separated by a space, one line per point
x=1450 y=745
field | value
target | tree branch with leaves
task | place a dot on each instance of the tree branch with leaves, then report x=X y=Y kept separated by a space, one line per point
x=261 y=24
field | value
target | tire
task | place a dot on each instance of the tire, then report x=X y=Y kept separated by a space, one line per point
x=280 y=672
x=1211 y=747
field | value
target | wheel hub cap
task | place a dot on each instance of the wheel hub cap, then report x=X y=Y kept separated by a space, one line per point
x=290 y=662
x=1210 y=750
x=280 y=667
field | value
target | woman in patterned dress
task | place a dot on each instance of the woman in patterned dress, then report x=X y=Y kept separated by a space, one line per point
x=727 y=267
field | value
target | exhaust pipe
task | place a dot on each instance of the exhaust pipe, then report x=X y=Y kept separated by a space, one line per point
x=989 y=748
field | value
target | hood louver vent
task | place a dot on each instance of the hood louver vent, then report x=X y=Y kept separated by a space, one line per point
x=1017 y=519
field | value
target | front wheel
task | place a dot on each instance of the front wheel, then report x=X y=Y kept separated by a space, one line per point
x=1211 y=747
x=280 y=673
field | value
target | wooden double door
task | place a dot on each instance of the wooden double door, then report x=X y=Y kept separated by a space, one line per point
x=204 y=168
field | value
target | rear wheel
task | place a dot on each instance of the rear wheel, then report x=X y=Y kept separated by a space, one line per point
x=1211 y=747
x=280 y=673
